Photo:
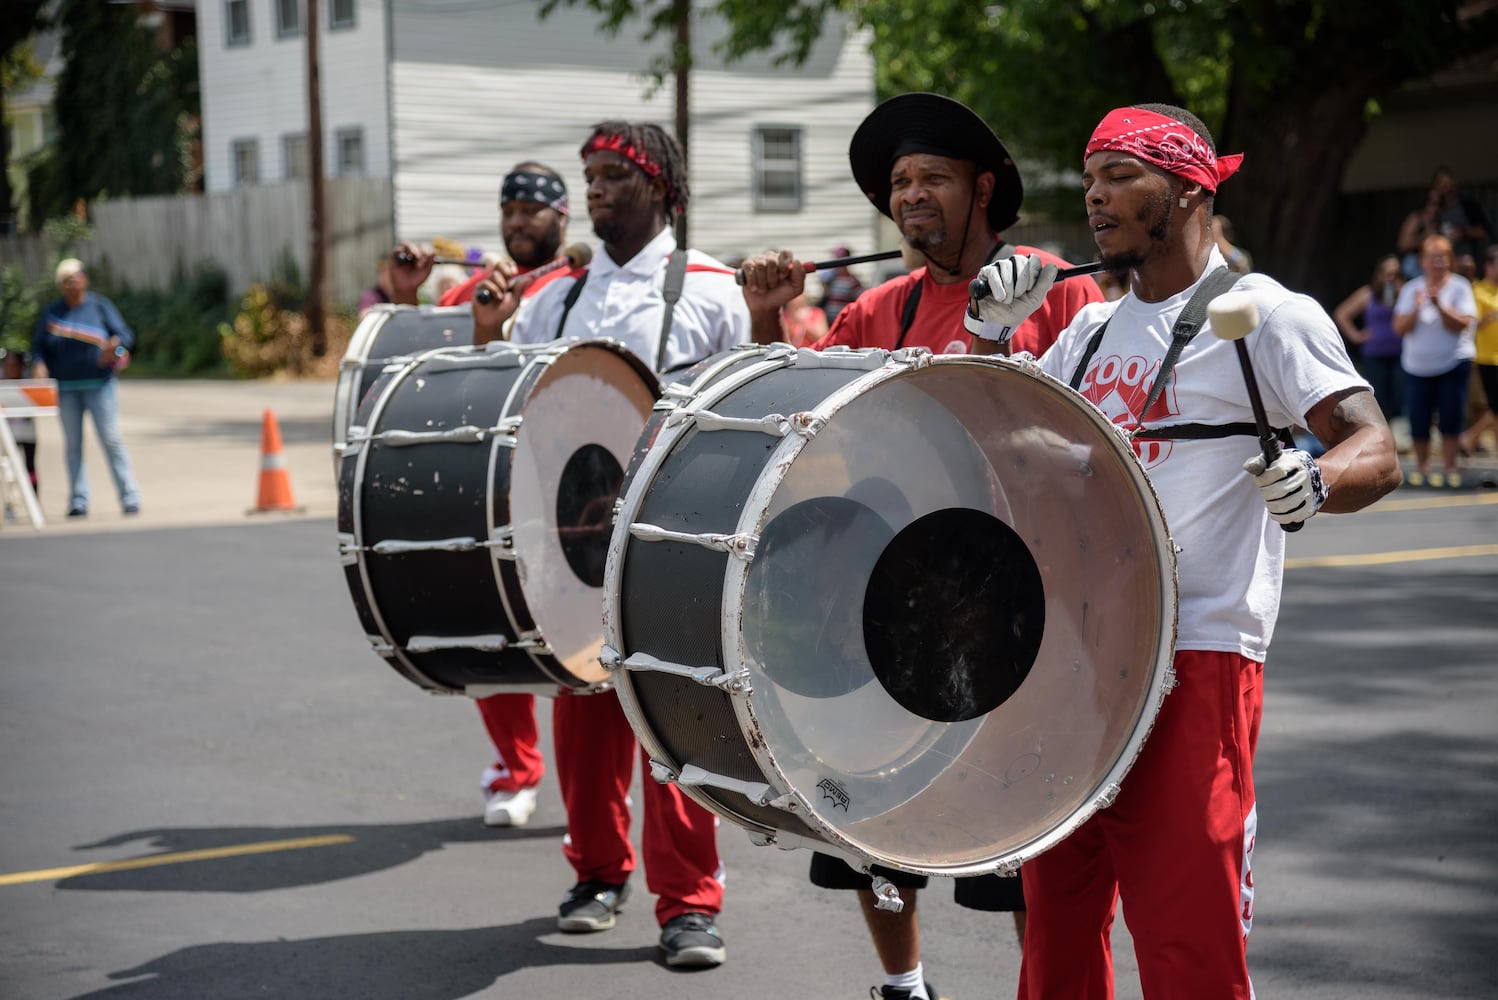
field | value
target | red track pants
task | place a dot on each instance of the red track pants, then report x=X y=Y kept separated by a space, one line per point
x=511 y=722
x=1176 y=847
x=595 y=760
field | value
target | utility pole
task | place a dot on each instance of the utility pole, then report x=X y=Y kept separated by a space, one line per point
x=681 y=12
x=317 y=272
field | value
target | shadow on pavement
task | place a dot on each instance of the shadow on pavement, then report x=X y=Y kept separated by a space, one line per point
x=390 y=965
x=374 y=848
x=302 y=430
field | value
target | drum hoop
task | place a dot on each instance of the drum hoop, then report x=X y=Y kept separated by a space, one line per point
x=534 y=369
x=736 y=575
x=769 y=360
x=397 y=657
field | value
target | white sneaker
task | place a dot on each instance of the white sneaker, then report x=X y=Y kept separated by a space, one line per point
x=510 y=808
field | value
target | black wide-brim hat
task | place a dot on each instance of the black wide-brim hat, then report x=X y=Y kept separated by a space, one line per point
x=931 y=123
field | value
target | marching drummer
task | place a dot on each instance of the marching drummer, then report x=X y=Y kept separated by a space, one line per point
x=937 y=169
x=1177 y=845
x=672 y=307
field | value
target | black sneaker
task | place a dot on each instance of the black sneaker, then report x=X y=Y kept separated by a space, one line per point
x=692 y=940
x=895 y=993
x=77 y=512
x=591 y=906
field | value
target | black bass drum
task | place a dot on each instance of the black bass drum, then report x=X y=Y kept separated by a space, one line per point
x=474 y=503
x=912 y=610
x=385 y=333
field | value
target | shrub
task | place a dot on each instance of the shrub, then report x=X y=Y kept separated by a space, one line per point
x=267 y=338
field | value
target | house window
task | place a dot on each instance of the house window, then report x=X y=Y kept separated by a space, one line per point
x=245 y=154
x=288 y=18
x=340 y=14
x=350 y=143
x=777 y=169
x=294 y=156
x=236 y=22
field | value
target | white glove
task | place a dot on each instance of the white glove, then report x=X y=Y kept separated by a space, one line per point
x=1016 y=287
x=1291 y=487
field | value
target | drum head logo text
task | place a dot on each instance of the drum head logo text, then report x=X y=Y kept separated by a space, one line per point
x=834 y=792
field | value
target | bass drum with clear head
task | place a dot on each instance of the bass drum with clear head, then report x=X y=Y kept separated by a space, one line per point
x=912 y=610
x=385 y=333
x=474 y=498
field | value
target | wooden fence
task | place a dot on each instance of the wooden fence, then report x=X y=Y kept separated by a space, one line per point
x=146 y=242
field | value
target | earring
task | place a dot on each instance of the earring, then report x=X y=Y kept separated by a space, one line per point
x=1183 y=202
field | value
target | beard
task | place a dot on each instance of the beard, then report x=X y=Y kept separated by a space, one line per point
x=1156 y=214
x=532 y=253
x=928 y=240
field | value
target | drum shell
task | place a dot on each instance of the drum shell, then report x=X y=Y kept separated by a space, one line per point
x=401 y=503
x=385 y=333
x=707 y=588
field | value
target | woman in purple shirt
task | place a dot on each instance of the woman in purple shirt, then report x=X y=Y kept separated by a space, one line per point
x=1377 y=342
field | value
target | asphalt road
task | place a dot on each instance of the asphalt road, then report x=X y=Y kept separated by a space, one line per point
x=199 y=683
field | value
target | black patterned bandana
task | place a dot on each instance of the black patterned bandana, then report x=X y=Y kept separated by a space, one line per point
x=544 y=189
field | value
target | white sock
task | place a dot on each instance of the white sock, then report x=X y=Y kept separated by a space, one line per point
x=914 y=981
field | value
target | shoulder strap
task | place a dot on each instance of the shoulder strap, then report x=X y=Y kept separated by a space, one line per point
x=571 y=300
x=907 y=315
x=1187 y=325
x=676 y=277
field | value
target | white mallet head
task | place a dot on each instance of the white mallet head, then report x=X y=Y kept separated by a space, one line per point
x=1233 y=315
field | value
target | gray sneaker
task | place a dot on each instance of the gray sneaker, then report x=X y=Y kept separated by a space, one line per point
x=692 y=940
x=591 y=906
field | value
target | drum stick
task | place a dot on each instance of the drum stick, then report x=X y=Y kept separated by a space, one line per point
x=811 y=268
x=405 y=259
x=1234 y=316
x=978 y=289
x=577 y=255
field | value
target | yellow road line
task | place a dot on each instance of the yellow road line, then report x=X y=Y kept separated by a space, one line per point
x=1403 y=555
x=152 y=860
x=1432 y=503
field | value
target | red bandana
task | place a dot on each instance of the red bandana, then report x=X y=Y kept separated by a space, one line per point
x=1165 y=142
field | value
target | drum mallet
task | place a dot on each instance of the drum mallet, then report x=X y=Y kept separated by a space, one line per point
x=406 y=259
x=577 y=255
x=1234 y=316
x=812 y=268
x=978 y=287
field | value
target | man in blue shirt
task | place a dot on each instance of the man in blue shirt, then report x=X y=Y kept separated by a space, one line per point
x=81 y=341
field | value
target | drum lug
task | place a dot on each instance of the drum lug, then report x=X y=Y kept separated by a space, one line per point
x=609 y=658
x=774 y=424
x=886 y=895
x=915 y=357
x=503 y=545
x=740 y=546
x=1105 y=799
x=841 y=357
x=755 y=791
x=662 y=774
x=735 y=683
x=482 y=643
x=348 y=552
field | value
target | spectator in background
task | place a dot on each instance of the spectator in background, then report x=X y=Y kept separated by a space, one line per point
x=1373 y=305
x=382 y=292
x=839 y=285
x=1485 y=345
x=1238 y=258
x=1434 y=315
x=81 y=341
x=1448 y=213
x=802 y=323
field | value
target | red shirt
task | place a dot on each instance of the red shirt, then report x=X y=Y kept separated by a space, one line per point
x=873 y=319
x=460 y=294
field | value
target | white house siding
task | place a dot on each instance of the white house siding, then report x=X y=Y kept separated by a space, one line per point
x=259 y=91
x=476 y=90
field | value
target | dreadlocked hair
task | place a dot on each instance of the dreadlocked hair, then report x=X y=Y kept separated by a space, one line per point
x=658 y=145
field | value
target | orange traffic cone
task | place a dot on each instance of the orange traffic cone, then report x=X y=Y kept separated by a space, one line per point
x=275 y=481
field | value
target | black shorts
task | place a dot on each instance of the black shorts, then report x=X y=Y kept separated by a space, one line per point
x=993 y=893
x=1488 y=375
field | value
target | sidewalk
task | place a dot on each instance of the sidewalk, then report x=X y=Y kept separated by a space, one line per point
x=195 y=445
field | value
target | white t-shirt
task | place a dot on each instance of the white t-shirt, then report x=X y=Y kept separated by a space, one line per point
x=1231 y=553
x=625 y=302
x=1431 y=349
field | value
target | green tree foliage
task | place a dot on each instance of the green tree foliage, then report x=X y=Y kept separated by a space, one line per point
x=124 y=110
x=1287 y=82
